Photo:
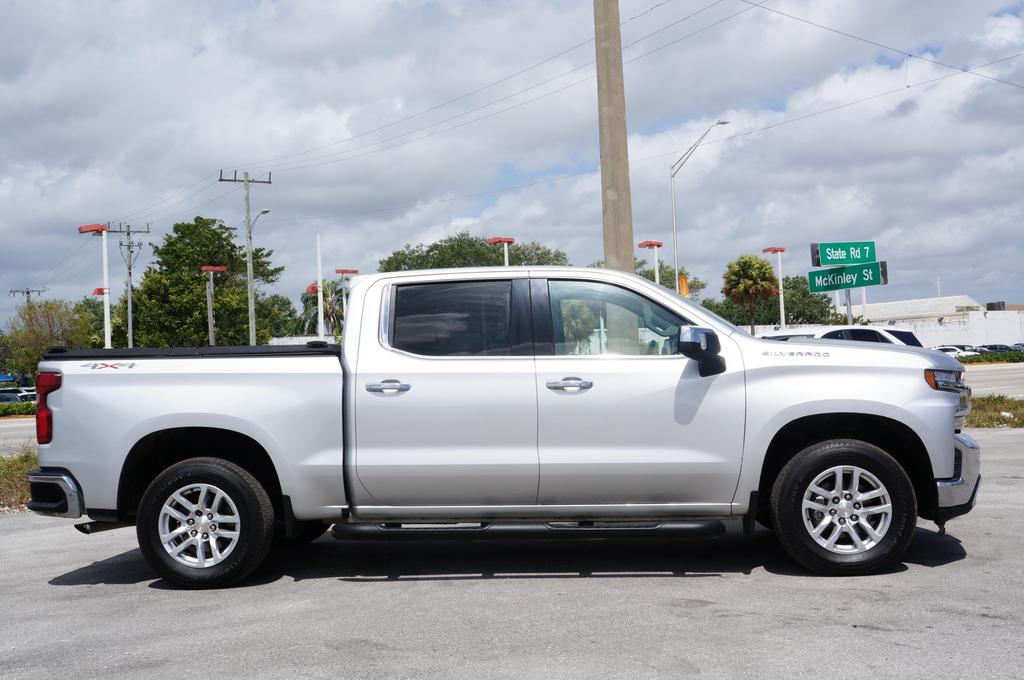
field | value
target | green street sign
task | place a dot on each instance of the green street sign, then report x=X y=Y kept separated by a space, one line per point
x=843 y=252
x=851 y=276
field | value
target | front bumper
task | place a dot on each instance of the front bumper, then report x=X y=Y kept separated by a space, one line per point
x=958 y=494
x=55 y=493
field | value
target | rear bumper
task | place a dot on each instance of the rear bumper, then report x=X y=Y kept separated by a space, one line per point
x=55 y=493
x=958 y=494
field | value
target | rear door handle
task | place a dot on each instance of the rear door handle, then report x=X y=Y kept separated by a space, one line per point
x=569 y=385
x=388 y=387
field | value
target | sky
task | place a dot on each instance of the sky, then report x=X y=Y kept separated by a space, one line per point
x=387 y=123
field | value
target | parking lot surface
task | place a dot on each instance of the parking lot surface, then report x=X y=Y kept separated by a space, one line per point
x=16 y=434
x=89 y=607
x=1007 y=379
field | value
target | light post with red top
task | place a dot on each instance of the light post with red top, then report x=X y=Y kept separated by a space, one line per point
x=102 y=230
x=211 y=269
x=345 y=273
x=654 y=245
x=779 y=250
x=505 y=242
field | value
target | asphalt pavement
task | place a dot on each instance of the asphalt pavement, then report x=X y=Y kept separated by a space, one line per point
x=1007 y=379
x=89 y=607
x=16 y=434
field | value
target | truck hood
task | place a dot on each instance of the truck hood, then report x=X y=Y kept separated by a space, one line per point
x=857 y=353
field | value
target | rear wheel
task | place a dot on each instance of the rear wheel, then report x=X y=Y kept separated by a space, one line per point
x=844 y=507
x=205 y=523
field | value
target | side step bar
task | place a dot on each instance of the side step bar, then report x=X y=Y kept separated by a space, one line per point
x=527 y=530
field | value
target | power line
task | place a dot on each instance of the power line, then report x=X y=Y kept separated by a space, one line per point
x=882 y=45
x=167 y=198
x=465 y=95
x=28 y=293
x=673 y=152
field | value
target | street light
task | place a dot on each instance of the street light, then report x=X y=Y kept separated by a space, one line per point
x=248 y=266
x=102 y=230
x=345 y=273
x=210 y=269
x=779 y=250
x=505 y=243
x=654 y=245
x=673 y=169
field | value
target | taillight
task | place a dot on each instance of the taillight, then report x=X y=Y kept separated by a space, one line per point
x=45 y=383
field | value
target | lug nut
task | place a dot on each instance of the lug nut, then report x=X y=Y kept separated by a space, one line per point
x=848 y=497
x=836 y=499
x=199 y=512
x=213 y=527
x=854 y=518
x=832 y=512
x=206 y=536
x=842 y=520
x=192 y=533
x=856 y=506
x=209 y=515
x=191 y=521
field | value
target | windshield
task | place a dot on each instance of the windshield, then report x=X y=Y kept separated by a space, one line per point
x=907 y=338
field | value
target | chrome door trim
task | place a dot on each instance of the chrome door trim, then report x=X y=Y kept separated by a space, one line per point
x=550 y=512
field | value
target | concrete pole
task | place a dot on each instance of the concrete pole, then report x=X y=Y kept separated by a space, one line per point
x=209 y=310
x=106 y=294
x=675 y=246
x=849 y=309
x=505 y=247
x=864 y=303
x=657 y=267
x=248 y=261
x=319 y=291
x=617 y=210
x=782 y=296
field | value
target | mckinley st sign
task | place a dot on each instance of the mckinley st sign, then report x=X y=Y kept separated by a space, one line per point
x=843 y=252
x=851 y=276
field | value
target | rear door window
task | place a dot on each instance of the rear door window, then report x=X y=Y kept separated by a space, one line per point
x=469 y=318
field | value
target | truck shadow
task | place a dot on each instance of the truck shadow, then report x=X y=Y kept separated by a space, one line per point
x=454 y=560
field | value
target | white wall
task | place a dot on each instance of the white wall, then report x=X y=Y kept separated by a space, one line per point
x=979 y=328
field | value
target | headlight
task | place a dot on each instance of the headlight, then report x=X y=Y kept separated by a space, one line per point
x=947 y=381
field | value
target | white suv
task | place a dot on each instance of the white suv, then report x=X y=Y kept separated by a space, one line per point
x=887 y=334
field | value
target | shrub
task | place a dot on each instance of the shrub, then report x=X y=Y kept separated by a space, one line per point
x=14 y=491
x=994 y=358
x=24 y=408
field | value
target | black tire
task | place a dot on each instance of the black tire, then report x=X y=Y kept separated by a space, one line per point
x=255 y=514
x=787 y=507
x=305 y=532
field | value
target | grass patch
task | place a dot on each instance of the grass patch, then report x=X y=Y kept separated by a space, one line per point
x=14 y=492
x=996 y=410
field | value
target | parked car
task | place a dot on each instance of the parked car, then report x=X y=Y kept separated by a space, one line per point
x=999 y=348
x=576 y=402
x=22 y=393
x=970 y=348
x=1018 y=347
x=955 y=351
x=886 y=334
x=8 y=398
x=28 y=396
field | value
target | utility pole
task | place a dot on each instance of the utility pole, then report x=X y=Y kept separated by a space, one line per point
x=779 y=250
x=133 y=249
x=102 y=230
x=938 y=287
x=28 y=292
x=616 y=204
x=319 y=290
x=248 y=242
x=210 y=269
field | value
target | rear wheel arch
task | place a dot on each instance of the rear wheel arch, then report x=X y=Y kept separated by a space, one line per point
x=892 y=436
x=159 y=450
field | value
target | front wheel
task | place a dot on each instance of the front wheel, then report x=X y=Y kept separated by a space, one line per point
x=844 y=507
x=205 y=523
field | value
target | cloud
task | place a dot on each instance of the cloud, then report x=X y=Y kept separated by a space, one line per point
x=114 y=111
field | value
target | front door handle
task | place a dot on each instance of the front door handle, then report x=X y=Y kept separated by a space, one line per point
x=388 y=387
x=569 y=385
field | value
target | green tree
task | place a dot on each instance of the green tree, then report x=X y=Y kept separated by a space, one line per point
x=748 y=281
x=333 y=317
x=170 y=302
x=643 y=268
x=277 y=314
x=92 y=309
x=466 y=250
x=802 y=307
x=39 y=325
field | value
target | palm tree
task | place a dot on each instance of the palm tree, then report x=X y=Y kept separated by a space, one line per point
x=333 y=316
x=749 y=279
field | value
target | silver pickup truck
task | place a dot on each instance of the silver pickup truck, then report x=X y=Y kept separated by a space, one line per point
x=582 y=401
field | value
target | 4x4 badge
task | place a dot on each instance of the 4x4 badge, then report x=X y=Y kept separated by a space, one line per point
x=119 y=364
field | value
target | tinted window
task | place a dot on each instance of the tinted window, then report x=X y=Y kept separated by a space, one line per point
x=865 y=335
x=835 y=335
x=453 y=319
x=907 y=338
x=596 y=318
